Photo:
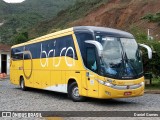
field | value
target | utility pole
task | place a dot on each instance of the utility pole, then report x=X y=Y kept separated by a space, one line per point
x=148 y=36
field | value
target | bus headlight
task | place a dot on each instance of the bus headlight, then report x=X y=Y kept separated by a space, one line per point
x=101 y=82
x=105 y=83
x=108 y=84
x=142 y=83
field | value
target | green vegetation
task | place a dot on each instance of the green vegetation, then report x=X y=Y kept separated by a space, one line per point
x=63 y=19
x=20 y=38
x=150 y=66
x=153 y=65
x=155 y=84
x=152 y=17
x=21 y=17
x=79 y=10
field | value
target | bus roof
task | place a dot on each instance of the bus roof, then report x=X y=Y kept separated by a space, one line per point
x=107 y=31
x=93 y=29
x=45 y=37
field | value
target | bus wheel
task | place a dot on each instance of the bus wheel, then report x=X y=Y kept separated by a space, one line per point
x=73 y=93
x=22 y=84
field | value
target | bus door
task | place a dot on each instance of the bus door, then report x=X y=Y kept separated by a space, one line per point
x=92 y=76
x=28 y=68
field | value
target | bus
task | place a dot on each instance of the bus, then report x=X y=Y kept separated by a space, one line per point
x=82 y=61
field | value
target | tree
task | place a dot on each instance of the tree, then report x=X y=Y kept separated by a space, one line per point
x=20 y=38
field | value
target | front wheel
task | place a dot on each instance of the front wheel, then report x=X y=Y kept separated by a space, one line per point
x=73 y=93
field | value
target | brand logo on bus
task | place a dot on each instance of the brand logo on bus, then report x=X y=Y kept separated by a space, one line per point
x=128 y=87
x=53 y=51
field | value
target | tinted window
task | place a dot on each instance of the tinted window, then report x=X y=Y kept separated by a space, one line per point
x=33 y=48
x=17 y=53
x=51 y=48
x=91 y=59
x=81 y=38
x=61 y=46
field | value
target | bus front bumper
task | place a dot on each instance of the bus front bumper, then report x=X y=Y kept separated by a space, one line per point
x=108 y=92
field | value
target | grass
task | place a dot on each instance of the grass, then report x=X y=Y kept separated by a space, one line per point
x=155 y=84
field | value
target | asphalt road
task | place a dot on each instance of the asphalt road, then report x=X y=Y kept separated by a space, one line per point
x=12 y=98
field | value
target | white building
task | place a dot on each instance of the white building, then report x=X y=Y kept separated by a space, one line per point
x=4 y=58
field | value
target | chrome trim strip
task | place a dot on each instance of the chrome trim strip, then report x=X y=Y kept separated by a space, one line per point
x=126 y=87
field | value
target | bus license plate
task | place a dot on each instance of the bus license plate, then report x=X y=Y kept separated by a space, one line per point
x=127 y=93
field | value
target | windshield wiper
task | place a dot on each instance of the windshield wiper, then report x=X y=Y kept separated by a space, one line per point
x=122 y=67
x=126 y=65
x=129 y=63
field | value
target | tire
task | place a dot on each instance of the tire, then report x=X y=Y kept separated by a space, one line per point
x=73 y=93
x=22 y=84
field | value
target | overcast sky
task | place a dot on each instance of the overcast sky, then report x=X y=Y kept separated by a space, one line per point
x=13 y=1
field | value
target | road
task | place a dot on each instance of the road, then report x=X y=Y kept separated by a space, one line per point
x=12 y=98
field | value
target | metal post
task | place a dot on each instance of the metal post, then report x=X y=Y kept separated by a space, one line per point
x=148 y=34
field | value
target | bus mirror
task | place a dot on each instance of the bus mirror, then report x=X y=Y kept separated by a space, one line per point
x=97 y=45
x=149 y=50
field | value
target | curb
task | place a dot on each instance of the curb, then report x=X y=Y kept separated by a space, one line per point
x=3 y=79
x=152 y=91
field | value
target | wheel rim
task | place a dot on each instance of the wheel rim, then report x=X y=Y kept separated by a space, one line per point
x=75 y=92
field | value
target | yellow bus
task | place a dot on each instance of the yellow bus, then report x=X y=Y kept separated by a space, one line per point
x=83 y=61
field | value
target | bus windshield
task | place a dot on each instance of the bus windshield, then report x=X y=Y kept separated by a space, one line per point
x=121 y=58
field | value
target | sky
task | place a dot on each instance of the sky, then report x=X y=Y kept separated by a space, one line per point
x=13 y=1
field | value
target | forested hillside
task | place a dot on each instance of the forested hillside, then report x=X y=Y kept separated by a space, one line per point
x=63 y=19
x=18 y=18
x=127 y=15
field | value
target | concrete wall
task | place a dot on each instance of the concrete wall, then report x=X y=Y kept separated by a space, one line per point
x=8 y=61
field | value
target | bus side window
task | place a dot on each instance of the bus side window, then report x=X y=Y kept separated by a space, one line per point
x=91 y=59
x=81 y=38
x=16 y=55
x=26 y=56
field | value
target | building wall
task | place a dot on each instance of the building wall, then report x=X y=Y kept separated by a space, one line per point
x=8 y=61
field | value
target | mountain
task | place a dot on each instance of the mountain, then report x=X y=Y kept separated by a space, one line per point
x=128 y=15
x=34 y=18
x=17 y=18
x=65 y=17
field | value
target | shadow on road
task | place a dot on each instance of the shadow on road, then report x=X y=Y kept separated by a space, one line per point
x=110 y=102
x=46 y=93
x=62 y=96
